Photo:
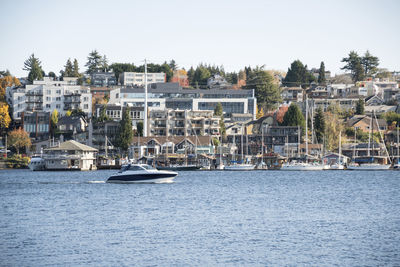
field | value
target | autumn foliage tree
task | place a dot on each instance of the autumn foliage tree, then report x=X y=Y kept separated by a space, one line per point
x=4 y=117
x=18 y=139
x=5 y=82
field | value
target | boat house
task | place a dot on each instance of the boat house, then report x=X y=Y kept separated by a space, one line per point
x=70 y=155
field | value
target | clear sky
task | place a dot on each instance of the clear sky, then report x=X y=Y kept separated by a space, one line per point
x=230 y=33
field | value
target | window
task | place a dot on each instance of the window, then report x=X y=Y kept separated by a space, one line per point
x=58 y=92
x=48 y=106
x=86 y=106
x=58 y=98
x=58 y=106
x=85 y=99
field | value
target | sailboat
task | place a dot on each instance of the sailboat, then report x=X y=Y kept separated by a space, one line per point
x=239 y=166
x=301 y=165
x=368 y=163
x=338 y=165
x=396 y=165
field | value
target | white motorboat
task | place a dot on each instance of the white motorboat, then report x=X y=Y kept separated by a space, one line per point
x=302 y=166
x=336 y=166
x=37 y=164
x=239 y=167
x=141 y=173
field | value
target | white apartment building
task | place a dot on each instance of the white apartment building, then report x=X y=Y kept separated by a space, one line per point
x=48 y=95
x=137 y=78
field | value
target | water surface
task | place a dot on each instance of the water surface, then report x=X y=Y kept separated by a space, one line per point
x=345 y=218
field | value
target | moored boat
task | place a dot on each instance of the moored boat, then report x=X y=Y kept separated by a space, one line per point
x=37 y=164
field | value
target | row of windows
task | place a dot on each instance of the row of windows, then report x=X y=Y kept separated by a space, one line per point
x=31 y=128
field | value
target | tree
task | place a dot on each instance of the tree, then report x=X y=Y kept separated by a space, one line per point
x=353 y=64
x=139 y=128
x=266 y=91
x=125 y=133
x=28 y=64
x=294 y=117
x=222 y=128
x=19 y=139
x=320 y=125
x=103 y=114
x=53 y=122
x=360 y=107
x=75 y=69
x=52 y=74
x=4 y=117
x=68 y=71
x=167 y=70
x=36 y=73
x=104 y=63
x=7 y=81
x=260 y=113
x=370 y=64
x=94 y=62
x=321 y=74
x=298 y=75
x=33 y=65
x=218 y=109
x=333 y=127
x=172 y=64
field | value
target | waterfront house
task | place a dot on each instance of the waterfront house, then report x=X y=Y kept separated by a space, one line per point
x=70 y=155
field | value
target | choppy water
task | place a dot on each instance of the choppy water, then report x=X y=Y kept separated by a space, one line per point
x=344 y=218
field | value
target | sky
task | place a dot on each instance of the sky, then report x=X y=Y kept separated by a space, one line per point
x=229 y=33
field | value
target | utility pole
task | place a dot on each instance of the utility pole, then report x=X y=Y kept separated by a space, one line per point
x=145 y=100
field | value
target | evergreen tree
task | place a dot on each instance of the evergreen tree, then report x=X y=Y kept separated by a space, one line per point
x=94 y=62
x=75 y=69
x=370 y=64
x=172 y=64
x=139 y=128
x=360 y=107
x=125 y=133
x=266 y=90
x=353 y=64
x=294 y=117
x=298 y=75
x=319 y=120
x=321 y=74
x=68 y=71
x=36 y=73
x=218 y=111
x=104 y=63
x=52 y=74
x=33 y=65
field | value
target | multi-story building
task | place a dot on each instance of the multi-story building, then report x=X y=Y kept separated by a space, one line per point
x=36 y=124
x=169 y=122
x=48 y=95
x=172 y=96
x=137 y=78
x=103 y=79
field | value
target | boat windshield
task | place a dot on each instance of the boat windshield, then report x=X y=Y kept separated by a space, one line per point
x=148 y=167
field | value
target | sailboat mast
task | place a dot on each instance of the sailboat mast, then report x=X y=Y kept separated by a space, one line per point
x=398 y=154
x=306 y=139
x=105 y=147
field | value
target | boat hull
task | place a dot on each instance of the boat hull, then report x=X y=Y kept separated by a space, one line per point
x=240 y=167
x=142 y=178
x=369 y=167
x=302 y=168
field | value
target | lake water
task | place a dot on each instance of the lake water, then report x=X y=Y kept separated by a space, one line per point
x=344 y=218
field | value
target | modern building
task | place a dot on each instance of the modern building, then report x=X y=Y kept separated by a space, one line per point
x=137 y=78
x=172 y=96
x=169 y=122
x=103 y=79
x=36 y=124
x=48 y=95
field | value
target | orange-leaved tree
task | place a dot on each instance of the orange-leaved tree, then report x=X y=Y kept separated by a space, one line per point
x=18 y=139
